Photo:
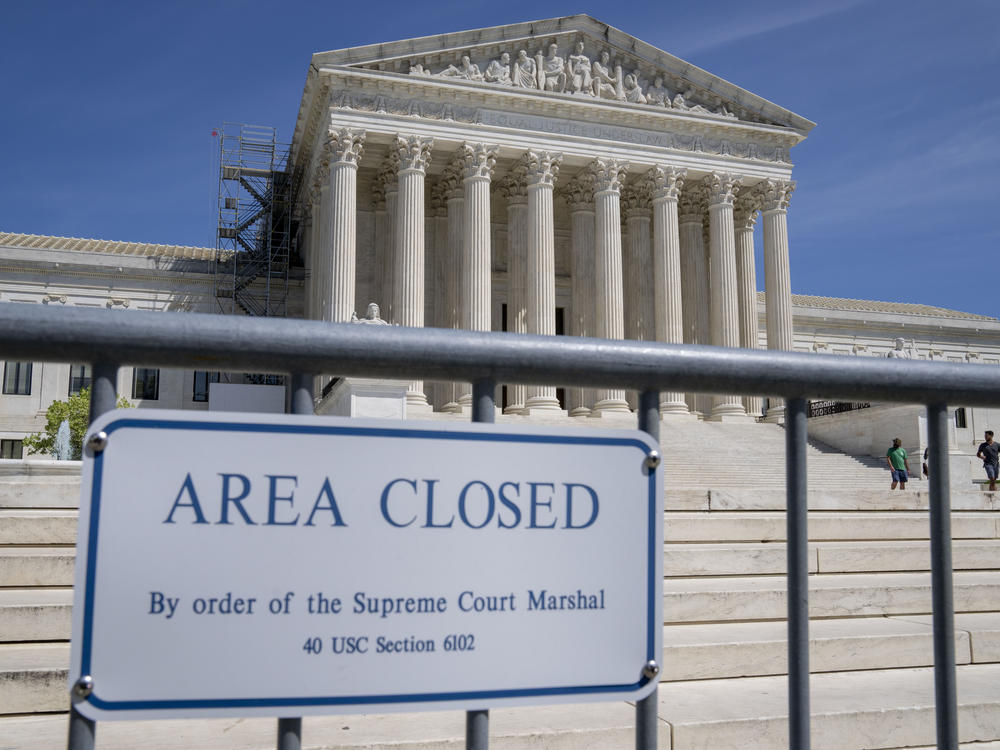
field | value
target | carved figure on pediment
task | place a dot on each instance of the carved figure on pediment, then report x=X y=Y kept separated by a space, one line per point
x=657 y=94
x=901 y=350
x=417 y=69
x=633 y=91
x=553 y=70
x=607 y=84
x=372 y=316
x=498 y=71
x=524 y=72
x=686 y=101
x=466 y=70
x=578 y=68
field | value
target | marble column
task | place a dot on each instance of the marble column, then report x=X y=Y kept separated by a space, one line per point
x=665 y=184
x=638 y=262
x=443 y=392
x=541 y=171
x=775 y=195
x=312 y=254
x=694 y=276
x=478 y=161
x=725 y=318
x=455 y=196
x=408 y=279
x=385 y=243
x=744 y=218
x=344 y=147
x=580 y=196
x=381 y=217
x=514 y=189
x=609 y=318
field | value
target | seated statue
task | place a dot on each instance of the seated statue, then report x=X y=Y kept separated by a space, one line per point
x=605 y=86
x=578 y=68
x=554 y=70
x=371 y=317
x=498 y=71
x=523 y=74
x=633 y=91
x=657 y=94
x=466 y=70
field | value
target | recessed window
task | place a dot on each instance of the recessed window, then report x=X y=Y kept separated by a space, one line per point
x=79 y=378
x=11 y=449
x=17 y=378
x=146 y=383
x=960 y=422
x=202 y=379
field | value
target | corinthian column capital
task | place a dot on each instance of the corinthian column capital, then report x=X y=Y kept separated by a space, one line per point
x=541 y=167
x=775 y=194
x=745 y=209
x=414 y=152
x=513 y=187
x=478 y=159
x=344 y=145
x=636 y=198
x=609 y=174
x=691 y=204
x=722 y=188
x=579 y=191
x=665 y=182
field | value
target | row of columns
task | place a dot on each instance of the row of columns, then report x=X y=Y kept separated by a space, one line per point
x=674 y=259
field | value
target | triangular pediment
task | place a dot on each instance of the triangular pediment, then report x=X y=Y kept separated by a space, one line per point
x=575 y=57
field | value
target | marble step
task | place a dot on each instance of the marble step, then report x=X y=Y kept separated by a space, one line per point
x=826 y=499
x=36 y=566
x=688 y=600
x=769 y=526
x=37 y=526
x=768 y=558
x=60 y=493
x=739 y=649
x=41 y=614
x=33 y=675
x=872 y=710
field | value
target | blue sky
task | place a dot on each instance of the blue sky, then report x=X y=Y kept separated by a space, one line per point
x=108 y=110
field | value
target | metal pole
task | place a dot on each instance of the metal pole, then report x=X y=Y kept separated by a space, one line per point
x=945 y=694
x=300 y=402
x=797 y=541
x=646 y=710
x=477 y=723
x=82 y=731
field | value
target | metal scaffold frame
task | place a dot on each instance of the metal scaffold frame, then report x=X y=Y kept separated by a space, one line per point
x=254 y=229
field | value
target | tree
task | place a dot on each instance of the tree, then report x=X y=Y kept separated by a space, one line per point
x=77 y=410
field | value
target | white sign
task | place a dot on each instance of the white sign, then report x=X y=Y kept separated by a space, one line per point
x=248 y=564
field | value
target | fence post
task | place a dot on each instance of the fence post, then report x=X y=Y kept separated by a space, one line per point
x=103 y=398
x=797 y=553
x=943 y=605
x=300 y=402
x=477 y=723
x=646 y=710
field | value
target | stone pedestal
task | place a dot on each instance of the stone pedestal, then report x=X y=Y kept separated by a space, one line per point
x=365 y=397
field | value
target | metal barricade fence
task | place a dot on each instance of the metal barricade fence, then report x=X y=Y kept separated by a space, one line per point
x=108 y=339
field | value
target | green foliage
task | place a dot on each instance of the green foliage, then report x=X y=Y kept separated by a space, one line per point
x=77 y=410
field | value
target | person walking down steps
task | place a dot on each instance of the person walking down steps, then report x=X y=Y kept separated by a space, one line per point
x=898 y=465
x=988 y=451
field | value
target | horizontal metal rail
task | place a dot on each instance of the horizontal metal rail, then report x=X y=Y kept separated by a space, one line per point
x=219 y=342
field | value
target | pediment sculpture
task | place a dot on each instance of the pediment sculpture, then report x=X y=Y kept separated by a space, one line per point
x=600 y=77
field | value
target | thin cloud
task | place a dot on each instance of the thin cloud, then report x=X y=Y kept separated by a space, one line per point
x=763 y=24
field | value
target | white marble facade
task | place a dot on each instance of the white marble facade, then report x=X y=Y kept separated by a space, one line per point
x=558 y=174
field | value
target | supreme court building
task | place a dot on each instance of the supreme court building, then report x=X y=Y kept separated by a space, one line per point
x=555 y=174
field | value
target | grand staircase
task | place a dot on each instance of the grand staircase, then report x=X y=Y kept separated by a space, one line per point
x=724 y=683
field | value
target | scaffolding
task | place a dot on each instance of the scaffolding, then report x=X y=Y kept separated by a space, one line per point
x=254 y=236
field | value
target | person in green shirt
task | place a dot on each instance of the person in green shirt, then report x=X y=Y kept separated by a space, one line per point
x=898 y=465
